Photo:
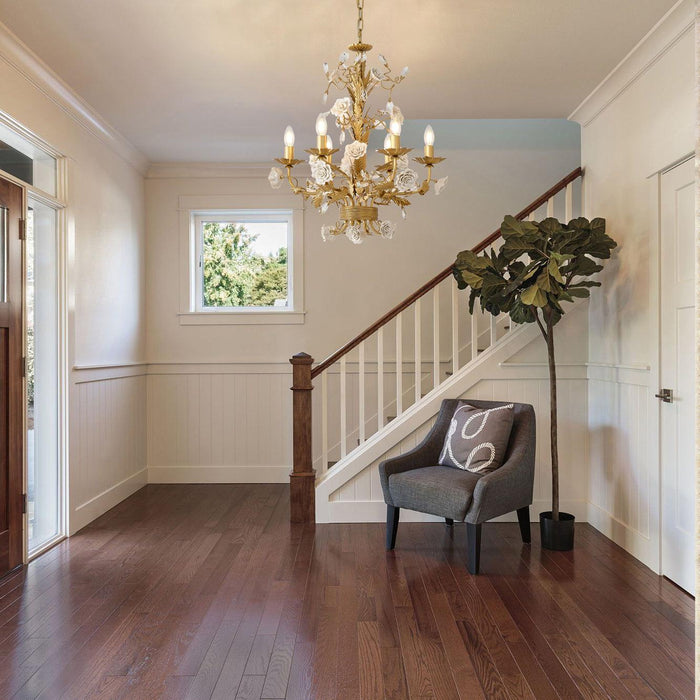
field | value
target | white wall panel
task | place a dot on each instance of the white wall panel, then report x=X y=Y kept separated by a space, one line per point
x=108 y=443
x=624 y=487
x=219 y=423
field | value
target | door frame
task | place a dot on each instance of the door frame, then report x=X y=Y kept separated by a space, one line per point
x=59 y=205
x=656 y=519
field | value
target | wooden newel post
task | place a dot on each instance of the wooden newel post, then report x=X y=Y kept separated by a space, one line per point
x=302 y=480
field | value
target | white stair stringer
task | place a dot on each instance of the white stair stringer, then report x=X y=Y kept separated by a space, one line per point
x=484 y=366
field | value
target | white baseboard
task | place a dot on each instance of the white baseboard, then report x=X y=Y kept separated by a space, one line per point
x=631 y=540
x=86 y=512
x=188 y=474
x=375 y=512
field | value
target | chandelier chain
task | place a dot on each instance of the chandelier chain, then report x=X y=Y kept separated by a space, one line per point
x=360 y=19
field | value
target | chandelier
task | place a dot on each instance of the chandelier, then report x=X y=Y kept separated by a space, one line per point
x=351 y=185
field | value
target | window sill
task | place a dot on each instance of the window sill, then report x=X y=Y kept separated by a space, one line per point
x=238 y=318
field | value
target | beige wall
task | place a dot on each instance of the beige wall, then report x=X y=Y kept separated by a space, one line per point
x=347 y=287
x=639 y=122
x=204 y=379
x=105 y=246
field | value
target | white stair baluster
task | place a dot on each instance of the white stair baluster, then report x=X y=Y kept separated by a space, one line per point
x=380 y=378
x=436 y=336
x=399 y=366
x=324 y=421
x=475 y=333
x=550 y=207
x=493 y=336
x=455 y=326
x=361 y=392
x=569 y=203
x=417 y=350
x=343 y=408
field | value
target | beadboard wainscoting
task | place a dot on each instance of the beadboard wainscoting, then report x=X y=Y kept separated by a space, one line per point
x=219 y=423
x=624 y=483
x=107 y=439
x=361 y=499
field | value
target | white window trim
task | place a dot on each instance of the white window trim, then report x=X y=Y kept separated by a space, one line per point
x=191 y=206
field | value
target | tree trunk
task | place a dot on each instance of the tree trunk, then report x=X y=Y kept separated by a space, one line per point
x=553 y=414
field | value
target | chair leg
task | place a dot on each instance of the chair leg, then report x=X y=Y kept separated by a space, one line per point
x=524 y=520
x=449 y=522
x=392 y=525
x=473 y=547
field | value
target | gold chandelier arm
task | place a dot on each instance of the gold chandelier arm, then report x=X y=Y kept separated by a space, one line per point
x=293 y=182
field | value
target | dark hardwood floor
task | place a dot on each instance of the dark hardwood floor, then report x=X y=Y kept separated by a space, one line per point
x=207 y=591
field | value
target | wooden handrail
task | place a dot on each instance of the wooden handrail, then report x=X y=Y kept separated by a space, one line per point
x=332 y=359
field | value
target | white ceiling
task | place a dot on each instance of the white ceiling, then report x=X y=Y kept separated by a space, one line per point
x=217 y=80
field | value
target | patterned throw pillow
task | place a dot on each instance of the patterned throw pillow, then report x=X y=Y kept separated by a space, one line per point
x=477 y=438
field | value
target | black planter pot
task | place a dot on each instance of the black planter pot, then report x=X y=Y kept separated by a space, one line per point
x=557 y=534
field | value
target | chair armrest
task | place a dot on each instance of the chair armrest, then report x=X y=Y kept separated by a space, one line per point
x=426 y=454
x=509 y=487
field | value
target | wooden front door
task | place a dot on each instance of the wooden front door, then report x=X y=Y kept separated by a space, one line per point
x=11 y=373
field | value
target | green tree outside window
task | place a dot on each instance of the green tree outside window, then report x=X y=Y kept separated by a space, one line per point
x=234 y=274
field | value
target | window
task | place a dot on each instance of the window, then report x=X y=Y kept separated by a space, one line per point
x=25 y=160
x=243 y=261
x=243 y=264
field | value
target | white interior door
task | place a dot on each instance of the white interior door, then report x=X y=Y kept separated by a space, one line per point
x=677 y=391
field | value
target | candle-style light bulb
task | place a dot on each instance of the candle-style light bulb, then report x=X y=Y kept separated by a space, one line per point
x=289 y=143
x=429 y=140
x=321 y=131
x=387 y=145
x=329 y=146
x=395 y=133
x=289 y=137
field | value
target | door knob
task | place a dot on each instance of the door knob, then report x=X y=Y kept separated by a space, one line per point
x=666 y=395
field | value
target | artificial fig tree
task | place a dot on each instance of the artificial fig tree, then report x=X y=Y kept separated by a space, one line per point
x=538 y=266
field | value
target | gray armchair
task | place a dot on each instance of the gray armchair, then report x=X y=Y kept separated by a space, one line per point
x=416 y=482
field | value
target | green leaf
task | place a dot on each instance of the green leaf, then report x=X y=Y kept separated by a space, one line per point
x=534 y=296
x=472 y=298
x=514 y=227
x=553 y=270
x=578 y=292
x=543 y=281
x=585 y=283
x=597 y=226
x=520 y=313
x=550 y=226
x=581 y=266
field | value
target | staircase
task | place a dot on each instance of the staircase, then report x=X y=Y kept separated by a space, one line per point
x=384 y=384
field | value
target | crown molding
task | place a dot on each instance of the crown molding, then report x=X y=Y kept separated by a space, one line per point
x=665 y=34
x=207 y=170
x=31 y=68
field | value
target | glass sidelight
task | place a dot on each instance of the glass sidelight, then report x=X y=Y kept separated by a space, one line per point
x=3 y=254
x=42 y=370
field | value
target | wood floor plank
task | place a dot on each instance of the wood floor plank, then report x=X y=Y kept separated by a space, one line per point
x=207 y=591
